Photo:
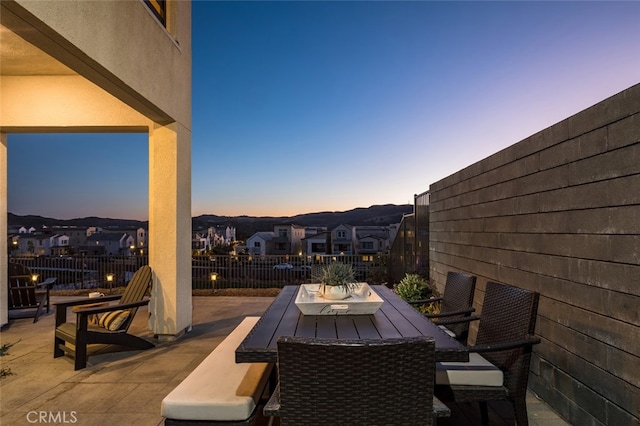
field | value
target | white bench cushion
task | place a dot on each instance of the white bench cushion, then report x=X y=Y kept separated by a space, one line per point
x=219 y=389
x=477 y=372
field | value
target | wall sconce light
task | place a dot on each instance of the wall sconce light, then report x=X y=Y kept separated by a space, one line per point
x=109 y=278
x=34 y=277
x=213 y=277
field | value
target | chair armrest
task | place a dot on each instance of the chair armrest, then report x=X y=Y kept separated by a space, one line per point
x=48 y=282
x=272 y=407
x=23 y=277
x=440 y=409
x=424 y=301
x=117 y=307
x=87 y=300
x=504 y=346
x=458 y=320
x=61 y=307
x=450 y=313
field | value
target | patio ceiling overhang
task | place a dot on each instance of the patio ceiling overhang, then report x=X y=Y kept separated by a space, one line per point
x=56 y=87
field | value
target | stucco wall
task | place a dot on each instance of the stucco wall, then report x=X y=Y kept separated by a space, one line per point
x=559 y=213
x=113 y=41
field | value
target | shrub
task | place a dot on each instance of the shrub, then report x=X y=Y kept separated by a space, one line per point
x=4 y=349
x=415 y=287
x=412 y=287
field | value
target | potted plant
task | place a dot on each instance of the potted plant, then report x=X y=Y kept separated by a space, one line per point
x=337 y=281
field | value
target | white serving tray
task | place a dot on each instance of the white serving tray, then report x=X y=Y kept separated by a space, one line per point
x=362 y=301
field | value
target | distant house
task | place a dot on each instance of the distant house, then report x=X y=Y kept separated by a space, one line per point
x=372 y=244
x=343 y=240
x=373 y=239
x=314 y=230
x=287 y=239
x=76 y=238
x=200 y=242
x=30 y=244
x=109 y=243
x=316 y=244
x=59 y=245
x=138 y=234
x=205 y=240
x=260 y=243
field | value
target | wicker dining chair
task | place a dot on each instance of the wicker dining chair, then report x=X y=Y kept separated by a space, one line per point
x=355 y=382
x=456 y=303
x=505 y=338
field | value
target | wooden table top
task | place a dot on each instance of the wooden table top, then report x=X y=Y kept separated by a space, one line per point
x=395 y=318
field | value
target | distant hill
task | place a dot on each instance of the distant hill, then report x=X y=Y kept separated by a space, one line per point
x=40 y=221
x=245 y=225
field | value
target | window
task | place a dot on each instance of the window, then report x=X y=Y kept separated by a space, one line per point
x=283 y=233
x=341 y=234
x=159 y=8
x=367 y=245
x=256 y=244
x=318 y=247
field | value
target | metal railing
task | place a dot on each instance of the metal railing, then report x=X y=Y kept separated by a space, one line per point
x=208 y=272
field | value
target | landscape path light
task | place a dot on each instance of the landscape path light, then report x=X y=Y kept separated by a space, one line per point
x=213 y=277
x=109 y=277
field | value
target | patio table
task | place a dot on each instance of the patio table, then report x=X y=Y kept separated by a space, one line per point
x=395 y=318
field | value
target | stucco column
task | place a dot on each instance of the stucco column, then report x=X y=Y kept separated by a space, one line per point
x=170 y=230
x=4 y=295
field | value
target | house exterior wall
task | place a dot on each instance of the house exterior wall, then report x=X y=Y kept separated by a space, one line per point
x=261 y=249
x=316 y=244
x=558 y=213
x=343 y=239
x=127 y=73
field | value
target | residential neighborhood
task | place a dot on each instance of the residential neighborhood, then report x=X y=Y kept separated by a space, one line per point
x=66 y=241
x=283 y=239
x=309 y=241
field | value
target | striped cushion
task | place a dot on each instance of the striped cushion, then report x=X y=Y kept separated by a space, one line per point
x=478 y=371
x=113 y=320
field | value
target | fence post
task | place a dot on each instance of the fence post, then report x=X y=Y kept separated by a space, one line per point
x=82 y=271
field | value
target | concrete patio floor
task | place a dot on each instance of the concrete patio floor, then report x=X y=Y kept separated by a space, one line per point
x=127 y=387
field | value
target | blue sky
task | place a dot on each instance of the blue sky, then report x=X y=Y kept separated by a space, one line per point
x=313 y=106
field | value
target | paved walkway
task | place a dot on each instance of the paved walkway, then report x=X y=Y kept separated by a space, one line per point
x=127 y=388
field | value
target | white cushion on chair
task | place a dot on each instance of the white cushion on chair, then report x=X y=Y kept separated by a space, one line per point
x=477 y=372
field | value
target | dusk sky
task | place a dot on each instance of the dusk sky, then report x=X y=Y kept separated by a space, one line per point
x=303 y=106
